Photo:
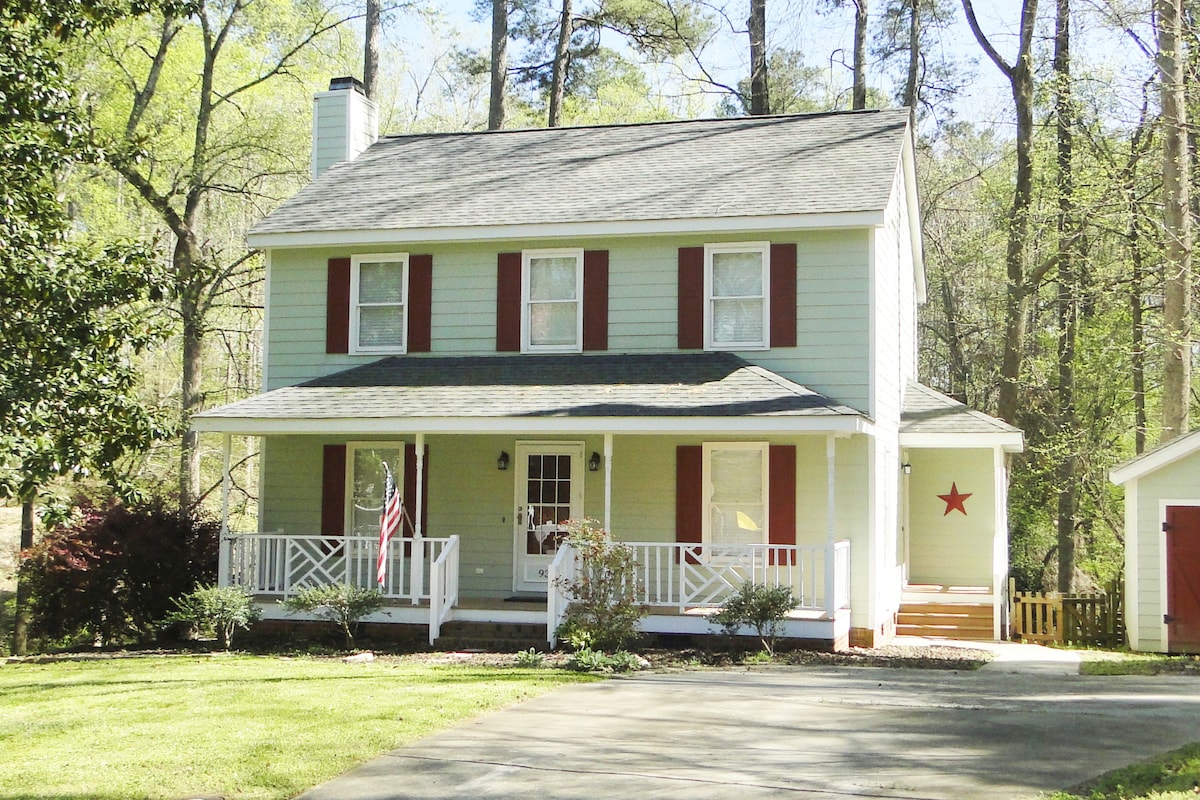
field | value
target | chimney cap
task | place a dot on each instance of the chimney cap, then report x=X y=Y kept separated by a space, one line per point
x=347 y=82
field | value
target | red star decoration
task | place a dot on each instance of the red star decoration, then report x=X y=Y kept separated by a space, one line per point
x=955 y=499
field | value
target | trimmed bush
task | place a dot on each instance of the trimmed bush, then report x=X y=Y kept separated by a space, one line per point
x=216 y=609
x=760 y=607
x=338 y=603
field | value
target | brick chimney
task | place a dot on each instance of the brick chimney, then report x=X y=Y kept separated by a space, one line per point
x=345 y=123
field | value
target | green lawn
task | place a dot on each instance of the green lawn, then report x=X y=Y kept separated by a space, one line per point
x=235 y=726
x=1171 y=776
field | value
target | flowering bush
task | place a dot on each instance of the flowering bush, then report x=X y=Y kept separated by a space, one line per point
x=603 y=611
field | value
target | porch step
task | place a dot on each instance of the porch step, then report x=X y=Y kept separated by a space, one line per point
x=492 y=637
x=945 y=620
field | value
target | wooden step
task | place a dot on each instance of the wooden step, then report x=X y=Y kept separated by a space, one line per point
x=948 y=620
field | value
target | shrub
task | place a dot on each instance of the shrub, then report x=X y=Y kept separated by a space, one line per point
x=603 y=610
x=217 y=609
x=531 y=658
x=112 y=574
x=588 y=660
x=760 y=607
x=338 y=603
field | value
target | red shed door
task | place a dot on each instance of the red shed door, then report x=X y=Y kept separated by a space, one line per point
x=1183 y=579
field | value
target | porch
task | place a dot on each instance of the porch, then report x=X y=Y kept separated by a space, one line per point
x=681 y=584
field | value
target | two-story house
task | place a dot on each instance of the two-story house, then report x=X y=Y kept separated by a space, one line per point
x=700 y=333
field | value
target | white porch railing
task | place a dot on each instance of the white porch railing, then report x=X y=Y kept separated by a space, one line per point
x=684 y=576
x=443 y=587
x=278 y=564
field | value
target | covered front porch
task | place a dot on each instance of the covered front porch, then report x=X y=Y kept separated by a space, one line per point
x=680 y=584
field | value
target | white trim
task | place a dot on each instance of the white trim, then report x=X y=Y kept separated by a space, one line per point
x=731 y=426
x=356 y=261
x=527 y=256
x=764 y=450
x=909 y=169
x=999 y=541
x=764 y=251
x=521 y=451
x=872 y=329
x=567 y=230
x=1132 y=583
x=266 y=326
x=608 y=456
x=1157 y=458
x=1009 y=441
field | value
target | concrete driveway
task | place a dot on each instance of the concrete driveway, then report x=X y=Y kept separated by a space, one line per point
x=801 y=732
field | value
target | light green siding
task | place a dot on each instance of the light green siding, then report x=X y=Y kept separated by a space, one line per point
x=951 y=549
x=1174 y=484
x=832 y=355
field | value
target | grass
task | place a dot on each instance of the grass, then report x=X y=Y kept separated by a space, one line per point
x=234 y=726
x=1170 y=776
x=1101 y=662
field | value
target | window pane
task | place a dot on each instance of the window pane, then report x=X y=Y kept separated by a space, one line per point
x=736 y=508
x=737 y=275
x=381 y=326
x=553 y=323
x=552 y=278
x=367 y=481
x=735 y=321
x=381 y=282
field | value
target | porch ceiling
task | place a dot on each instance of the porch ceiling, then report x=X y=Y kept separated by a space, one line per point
x=643 y=393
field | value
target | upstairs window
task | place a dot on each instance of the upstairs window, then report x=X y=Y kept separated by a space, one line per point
x=552 y=307
x=378 y=303
x=736 y=296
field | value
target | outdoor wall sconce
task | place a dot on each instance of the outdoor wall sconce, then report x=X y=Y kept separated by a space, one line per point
x=502 y=461
x=594 y=462
x=907 y=468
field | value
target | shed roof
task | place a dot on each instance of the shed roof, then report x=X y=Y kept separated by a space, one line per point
x=1154 y=459
x=772 y=166
x=704 y=391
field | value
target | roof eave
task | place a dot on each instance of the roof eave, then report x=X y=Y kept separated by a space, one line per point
x=1155 y=459
x=564 y=230
x=1008 y=441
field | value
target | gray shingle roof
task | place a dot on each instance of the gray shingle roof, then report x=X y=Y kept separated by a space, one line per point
x=929 y=411
x=667 y=385
x=756 y=166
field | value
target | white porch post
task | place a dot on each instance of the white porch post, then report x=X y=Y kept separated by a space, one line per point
x=830 y=524
x=608 y=450
x=224 y=544
x=417 y=562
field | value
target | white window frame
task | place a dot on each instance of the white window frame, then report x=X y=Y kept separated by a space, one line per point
x=397 y=476
x=371 y=258
x=763 y=249
x=706 y=533
x=526 y=257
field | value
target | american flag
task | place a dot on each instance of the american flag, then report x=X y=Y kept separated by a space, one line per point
x=389 y=521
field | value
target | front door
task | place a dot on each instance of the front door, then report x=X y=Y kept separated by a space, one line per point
x=1183 y=579
x=549 y=491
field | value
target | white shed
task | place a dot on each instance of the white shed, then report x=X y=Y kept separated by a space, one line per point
x=1162 y=546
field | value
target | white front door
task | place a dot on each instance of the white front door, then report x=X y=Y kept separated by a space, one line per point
x=549 y=491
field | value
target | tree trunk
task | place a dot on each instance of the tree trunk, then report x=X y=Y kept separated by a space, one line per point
x=499 y=64
x=562 y=58
x=1177 y=250
x=1067 y=298
x=191 y=388
x=371 y=48
x=912 y=80
x=760 y=102
x=859 y=90
x=20 y=640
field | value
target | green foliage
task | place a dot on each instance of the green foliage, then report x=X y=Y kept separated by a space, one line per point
x=604 y=611
x=216 y=609
x=531 y=658
x=338 y=603
x=588 y=660
x=1172 y=775
x=114 y=573
x=759 y=606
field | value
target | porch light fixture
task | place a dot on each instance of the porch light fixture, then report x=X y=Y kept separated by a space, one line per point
x=907 y=468
x=594 y=462
x=502 y=461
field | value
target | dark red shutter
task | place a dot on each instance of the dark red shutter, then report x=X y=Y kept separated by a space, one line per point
x=420 y=302
x=337 y=306
x=782 y=492
x=783 y=295
x=689 y=505
x=691 y=298
x=508 y=302
x=595 y=300
x=333 y=490
x=410 y=489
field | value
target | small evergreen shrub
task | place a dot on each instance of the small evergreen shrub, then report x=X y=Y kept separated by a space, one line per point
x=758 y=606
x=603 y=611
x=216 y=609
x=338 y=603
